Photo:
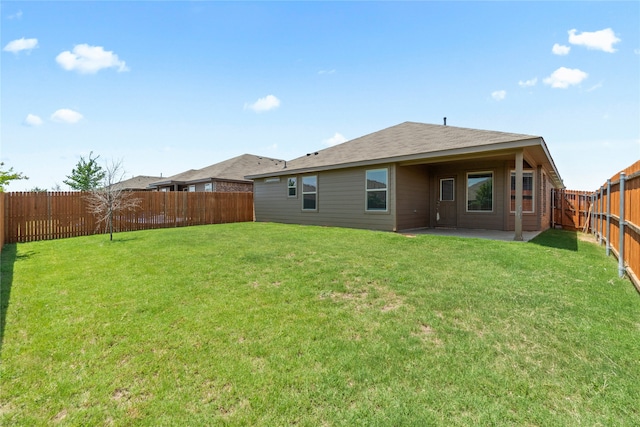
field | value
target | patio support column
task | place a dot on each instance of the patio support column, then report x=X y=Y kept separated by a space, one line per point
x=519 y=161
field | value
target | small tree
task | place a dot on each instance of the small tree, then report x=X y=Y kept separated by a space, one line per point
x=6 y=176
x=87 y=175
x=107 y=201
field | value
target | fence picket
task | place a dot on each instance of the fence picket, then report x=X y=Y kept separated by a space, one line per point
x=30 y=216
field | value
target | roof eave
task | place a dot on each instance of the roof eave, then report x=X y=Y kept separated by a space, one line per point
x=528 y=142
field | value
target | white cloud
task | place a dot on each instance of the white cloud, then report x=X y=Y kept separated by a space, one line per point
x=499 y=95
x=595 y=87
x=18 y=45
x=87 y=59
x=563 y=77
x=636 y=51
x=326 y=72
x=528 y=83
x=559 y=49
x=336 y=139
x=65 y=115
x=32 y=120
x=598 y=40
x=17 y=15
x=267 y=103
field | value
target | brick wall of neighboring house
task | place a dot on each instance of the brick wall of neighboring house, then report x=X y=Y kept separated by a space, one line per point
x=233 y=187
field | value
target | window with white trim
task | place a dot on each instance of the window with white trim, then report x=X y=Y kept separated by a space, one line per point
x=527 y=191
x=292 y=186
x=310 y=193
x=208 y=186
x=377 y=189
x=192 y=188
x=480 y=192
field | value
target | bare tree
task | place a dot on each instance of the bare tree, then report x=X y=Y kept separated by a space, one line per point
x=111 y=199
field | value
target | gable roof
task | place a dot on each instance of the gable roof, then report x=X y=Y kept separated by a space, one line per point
x=234 y=169
x=406 y=142
x=140 y=182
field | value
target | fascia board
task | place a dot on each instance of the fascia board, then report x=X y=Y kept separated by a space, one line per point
x=408 y=158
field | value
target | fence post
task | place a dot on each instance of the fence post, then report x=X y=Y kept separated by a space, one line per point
x=622 y=223
x=608 y=217
x=600 y=219
x=592 y=216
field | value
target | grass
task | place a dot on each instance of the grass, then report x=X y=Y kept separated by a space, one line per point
x=267 y=324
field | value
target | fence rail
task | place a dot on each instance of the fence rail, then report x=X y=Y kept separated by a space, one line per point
x=55 y=215
x=615 y=220
x=611 y=214
x=571 y=209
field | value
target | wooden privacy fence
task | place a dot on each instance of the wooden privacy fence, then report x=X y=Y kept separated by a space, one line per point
x=615 y=219
x=570 y=209
x=54 y=215
x=611 y=214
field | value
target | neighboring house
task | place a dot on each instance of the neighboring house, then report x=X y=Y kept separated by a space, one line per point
x=226 y=176
x=416 y=175
x=137 y=183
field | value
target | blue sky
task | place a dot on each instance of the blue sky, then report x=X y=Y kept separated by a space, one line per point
x=171 y=86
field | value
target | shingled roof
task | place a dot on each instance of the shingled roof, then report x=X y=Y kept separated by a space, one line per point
x=234 y=169
x=405 y=142
x=140 y=182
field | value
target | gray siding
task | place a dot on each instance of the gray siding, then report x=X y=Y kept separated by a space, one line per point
x=494 y=220
x=340 y=201
x=412 y=186
x=530 y=221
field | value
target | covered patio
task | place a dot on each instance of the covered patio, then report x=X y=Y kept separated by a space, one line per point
x=507 y=236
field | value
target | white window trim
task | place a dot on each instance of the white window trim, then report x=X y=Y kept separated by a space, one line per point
x=454 y=189
x=367 y=190
x=493 y=201
x=533 y=189
x=295 y=196
x=309 y=192
x=192 y=188
x=208 y=187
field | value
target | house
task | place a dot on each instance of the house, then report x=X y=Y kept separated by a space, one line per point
x=136 y=183
x=416 y=175
x=226 y=176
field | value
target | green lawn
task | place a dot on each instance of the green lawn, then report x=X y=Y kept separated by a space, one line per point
x=267 y=324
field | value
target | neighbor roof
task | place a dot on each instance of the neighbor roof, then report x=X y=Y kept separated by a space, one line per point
x=404 y=142
x=234 y=169
x=140 y=182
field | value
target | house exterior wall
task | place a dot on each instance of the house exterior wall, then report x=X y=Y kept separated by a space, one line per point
x=493 y=220
x=340 y=200
x=413 y=193
x=540 y=218
x=412 y=189
x=232 y=187
x=217 y=186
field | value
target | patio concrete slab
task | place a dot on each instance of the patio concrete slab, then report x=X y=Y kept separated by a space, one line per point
x=507 y=236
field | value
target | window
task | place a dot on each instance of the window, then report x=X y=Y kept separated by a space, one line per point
x=164 y=189
x=292 y=187
x=310 y=193
x=544 y=193
x=208 y=186
x=376 y=189
x=192 y=188
x=447 y=192
x=480 y=192
x=527 y=191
